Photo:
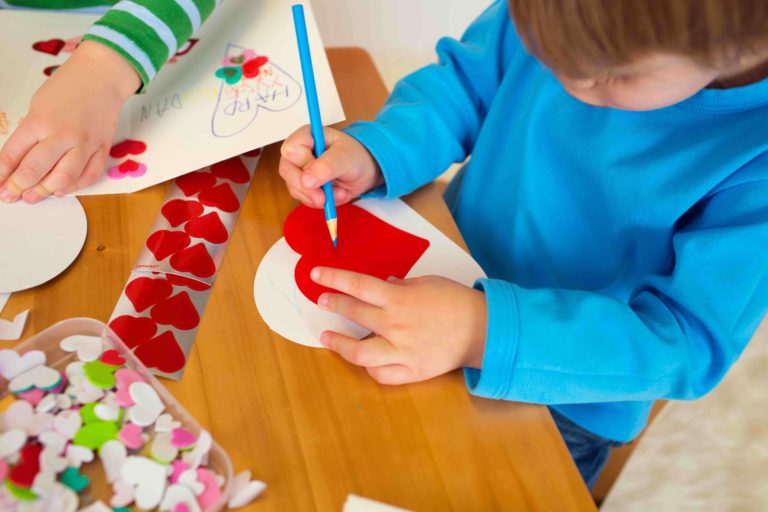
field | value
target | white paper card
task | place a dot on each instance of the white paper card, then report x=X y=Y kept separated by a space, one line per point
x=290 y=314
x=359 y=504
x=10 y=330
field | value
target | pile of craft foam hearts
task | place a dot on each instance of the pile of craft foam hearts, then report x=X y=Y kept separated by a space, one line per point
x=99 y=409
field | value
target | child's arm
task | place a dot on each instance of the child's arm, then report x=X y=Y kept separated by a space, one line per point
x=431 y=119
x=62 y=143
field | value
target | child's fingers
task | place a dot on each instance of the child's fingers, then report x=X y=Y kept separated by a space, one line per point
x=61 y=178
x=393 y=374
x=91 y=173
x=292 y=176
x=328 y=167
x=366 y=288
x=34 y=166
x=298 y=147
x=14 y=150
x=353 y=309
x=374 y=351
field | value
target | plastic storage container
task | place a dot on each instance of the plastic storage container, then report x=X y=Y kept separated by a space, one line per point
x=48 y=340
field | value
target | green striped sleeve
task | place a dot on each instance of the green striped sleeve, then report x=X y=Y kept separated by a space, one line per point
x=149 y=32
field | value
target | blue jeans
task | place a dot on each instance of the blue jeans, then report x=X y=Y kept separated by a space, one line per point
x=589 y=451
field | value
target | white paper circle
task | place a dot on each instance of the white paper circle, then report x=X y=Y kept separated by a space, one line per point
x=39 y=241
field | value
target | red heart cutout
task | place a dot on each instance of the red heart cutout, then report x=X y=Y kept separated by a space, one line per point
x=192 y=284
x=144 y=292
x=127 y=147
x=367 y=245
x=23 y=473
x=50 y=70
x=178 y=311
x=253 y=153
x=128 y=166
x=112 y=357
x=252 y=68
x=179 y=211
x=194 y=260
x=208 y=227
x=221 y=197
x=233 y=170
x=163 y=243
x=132 y=330
x=162 y=352
x=51 y=46
x=194 y=182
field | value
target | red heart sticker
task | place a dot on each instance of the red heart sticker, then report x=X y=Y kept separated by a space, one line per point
x=127 y=147
x=144 y=292
x=50 y=70
x=162 y=352
x=112 y=357
x=252 y=68
x=233 y=170
x=163 y=243
x=23 y=473
x=208 y=227
x=51 y=46
x=179 y=211
x=178 y=311
x=221 y=197
x=367 y=245
x=192 y=284
x=133 y=331
x=194 y=260
x=194 y=182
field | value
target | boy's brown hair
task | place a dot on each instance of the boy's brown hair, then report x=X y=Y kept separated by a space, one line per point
x=585 y=38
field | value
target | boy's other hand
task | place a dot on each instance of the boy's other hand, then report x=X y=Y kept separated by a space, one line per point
x=345 y=162
x=63 y=141
x=423 y=327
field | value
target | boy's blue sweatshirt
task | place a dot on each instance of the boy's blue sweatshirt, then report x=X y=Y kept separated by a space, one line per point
x=627 y=252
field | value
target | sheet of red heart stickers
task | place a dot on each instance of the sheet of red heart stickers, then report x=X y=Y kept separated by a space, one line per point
x=161 y=306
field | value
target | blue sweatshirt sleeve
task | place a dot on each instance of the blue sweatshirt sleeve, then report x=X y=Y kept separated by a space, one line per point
x=434 y=115
x=675 y=337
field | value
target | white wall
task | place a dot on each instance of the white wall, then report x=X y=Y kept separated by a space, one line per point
x=400 y=35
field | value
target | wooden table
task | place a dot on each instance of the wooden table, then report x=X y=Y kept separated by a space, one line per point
x=311 y=426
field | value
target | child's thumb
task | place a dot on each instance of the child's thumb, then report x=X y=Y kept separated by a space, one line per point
x=326 y=168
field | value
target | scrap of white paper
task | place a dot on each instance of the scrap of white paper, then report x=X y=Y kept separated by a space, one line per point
x=359 y=504
x=290 y=314
x=39 y=241
x=188 y=118
x=3 y=300
x=10 y=330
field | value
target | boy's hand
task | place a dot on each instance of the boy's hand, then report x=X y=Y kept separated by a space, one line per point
x=424 y=327
x=345 y=161
x=63 y=141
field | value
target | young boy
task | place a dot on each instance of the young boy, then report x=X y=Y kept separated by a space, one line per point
x=616 y=196
x=63 y=142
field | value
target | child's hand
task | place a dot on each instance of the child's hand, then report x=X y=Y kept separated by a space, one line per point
x=424 y=327
x=346 y=162
x=63 y=141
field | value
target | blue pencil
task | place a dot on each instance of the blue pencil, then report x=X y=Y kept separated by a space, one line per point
x=315 y=121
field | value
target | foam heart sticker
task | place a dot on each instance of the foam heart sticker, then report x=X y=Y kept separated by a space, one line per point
x=113 y=454
x=162 y=352
x=164 y=243
x=194 y=260
x=112 y=357
x=127 y=147
x=192 y=284
x=13 y=364
x=162 y=448
x=252 y=68
x=208 y=227
x=221 y=197
x=127 y=169
x=124 y=377
x=88 y=348
x=145 y=292
x=232 y=169
x=23 y=473
x=131 y=436
x=367 y=245
x=244 y=490
x=78 y=455
x=40 y=377
x=133 y=331
x=195 y=182
x=50 y=70
x=11 y=442
x=178 y=311
x=67 y=423
x=230 y=74
x=179 y=211
x=51 y=46
x=148 y=405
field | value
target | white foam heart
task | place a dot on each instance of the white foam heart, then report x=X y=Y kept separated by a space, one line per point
x=148 y=405
x=189 y=479
x=83 y=391
x=53 y=439
x=244 y=490
x=78 y=455
x=41 y=377
x=57 y=498
x=162 y=450
x=123 y=494
x=45 y=483
x=199 y=454
x=177 y=494
x=12 y=364
x=51 y=461
x=113 y=456
x=67 y=423
x=74 y=368
x=107 y=412
x=47 y=404
x=20 y=414
x=166 y=423
x=148 y=479
x=87 y=348
x=11 y=442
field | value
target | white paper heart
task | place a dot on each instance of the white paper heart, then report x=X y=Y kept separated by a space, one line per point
x=148 y=479
x=148 y=405
x=12 y=364
x=123 y=494
x=161 y=448
x=166 y=423
x=41 y=377
x=244 y=490
x=177 y=494
x=67 y=423
x=11 y=442
x=78 y=455
x=113 y=456
x=87 y=348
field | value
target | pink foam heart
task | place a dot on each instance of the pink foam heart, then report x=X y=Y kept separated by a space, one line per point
x=130 y=435
x=212 y=492
x=129 y=168
x=124 y=377
x=33 y=396
x=182 y=438
x=178 y=468
x=3 y=469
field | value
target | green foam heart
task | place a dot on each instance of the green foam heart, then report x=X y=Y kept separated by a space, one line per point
x=20 y=493
x=72 y=478
x=100 y=375
x=88 y=414
x=94 y=435
x=230 y=74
